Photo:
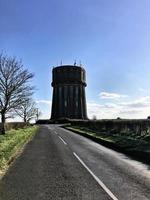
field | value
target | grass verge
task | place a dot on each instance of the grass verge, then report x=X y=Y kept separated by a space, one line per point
x=11 y=143
x=137 y=148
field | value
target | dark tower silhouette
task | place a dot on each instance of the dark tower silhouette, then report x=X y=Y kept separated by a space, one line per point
x=69 y=99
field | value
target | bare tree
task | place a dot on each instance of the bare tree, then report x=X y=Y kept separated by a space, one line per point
x=14 y=86
x=27 y=110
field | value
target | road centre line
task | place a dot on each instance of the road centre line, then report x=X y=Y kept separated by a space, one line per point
x=96 y=178
x=55 y=132
x=62 y=140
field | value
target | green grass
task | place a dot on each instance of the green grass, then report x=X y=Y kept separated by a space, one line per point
x=11 y=142
x=128 y=142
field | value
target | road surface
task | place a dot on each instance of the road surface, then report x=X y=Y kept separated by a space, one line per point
x=61 y=165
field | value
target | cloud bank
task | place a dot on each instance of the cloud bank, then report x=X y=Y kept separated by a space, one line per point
x=139 y=108
x=108 y=95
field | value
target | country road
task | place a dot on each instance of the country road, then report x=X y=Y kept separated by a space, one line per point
x=61 y=165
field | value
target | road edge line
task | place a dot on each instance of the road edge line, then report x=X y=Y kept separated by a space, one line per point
x=96 y=178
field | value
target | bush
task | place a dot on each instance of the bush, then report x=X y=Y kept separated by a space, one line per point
x=121 y=127
x=14 y=125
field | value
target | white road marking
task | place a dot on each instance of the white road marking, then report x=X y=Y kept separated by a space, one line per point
x=56 y=133
x=97 y=179
x=62 y=140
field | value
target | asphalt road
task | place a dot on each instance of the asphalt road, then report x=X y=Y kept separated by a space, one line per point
x=61 y=165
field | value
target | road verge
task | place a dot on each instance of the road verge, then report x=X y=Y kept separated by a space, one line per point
x=136 y=148
x=11 y=145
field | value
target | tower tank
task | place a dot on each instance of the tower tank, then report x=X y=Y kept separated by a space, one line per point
x=69 y=100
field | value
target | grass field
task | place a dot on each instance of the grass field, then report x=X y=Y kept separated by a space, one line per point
x=12 y=142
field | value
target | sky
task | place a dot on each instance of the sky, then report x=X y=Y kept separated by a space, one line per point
x=110 y=37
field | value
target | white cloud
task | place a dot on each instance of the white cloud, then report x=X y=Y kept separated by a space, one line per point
x=43 y=102
x=108 y=95
x=139 y=103
x=45 y=108
x=45 y=115
x=142 y=89
x=139 y=108
x=130 y=112
x=102 y=111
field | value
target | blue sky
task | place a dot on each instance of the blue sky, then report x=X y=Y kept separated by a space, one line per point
x=110 y=37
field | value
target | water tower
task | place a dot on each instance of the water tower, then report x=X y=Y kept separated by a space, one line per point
x=69 y=100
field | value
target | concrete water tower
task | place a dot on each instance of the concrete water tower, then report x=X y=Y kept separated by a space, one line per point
x=69 y=100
